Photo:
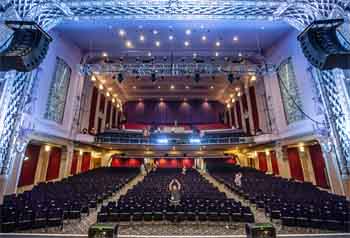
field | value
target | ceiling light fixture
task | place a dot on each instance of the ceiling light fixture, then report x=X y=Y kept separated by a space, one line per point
x=172 y=87
x=235 y=38
x=128 y=44
x=204 y=38
x=211 y=87
x=253 y=78
x=93 y=78
x=149 y=54
x=171 y=37
x=217 y=44
x=186 y=43
x=188 y=32
x=216 y=54
x=187 y=87
x=104 y=54
x=157 y=43
x=155 y=32
x=142 y=38
x=122 y=32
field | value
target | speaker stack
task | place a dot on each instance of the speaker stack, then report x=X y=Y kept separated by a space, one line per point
x=26 y=48
x=325 y=46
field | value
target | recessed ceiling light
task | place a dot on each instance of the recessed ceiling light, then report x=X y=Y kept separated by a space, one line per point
x=216 y=54
x=171 y=37
x=149 y=54
x=128 y=44
x=217 y=44
x=155 y=32
x=142 y=38
x=158 y=87
x=157 y=43
x=104 y=54
x=172 y=86
x=240 y=54
x=187 y=43
x=188 y=32
x=187 y=87
x=235 y=38
x=211 y=87
x=204 y=38
x=122 y=32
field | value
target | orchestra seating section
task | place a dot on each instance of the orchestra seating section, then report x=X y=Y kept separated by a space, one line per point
x=200 y=201
x=295 y=204
x=48 y=204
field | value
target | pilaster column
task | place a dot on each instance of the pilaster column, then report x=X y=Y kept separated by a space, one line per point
x=250 y=110
x=269 y=163
x=80 y=159
x=43 y=162
x=282 y=161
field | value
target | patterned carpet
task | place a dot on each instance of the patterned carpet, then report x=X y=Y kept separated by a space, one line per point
x=171 y=229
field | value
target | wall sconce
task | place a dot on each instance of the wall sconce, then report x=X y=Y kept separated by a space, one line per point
x=267 y=152
x=81 y=152
x=47 y=148
x=301 y=147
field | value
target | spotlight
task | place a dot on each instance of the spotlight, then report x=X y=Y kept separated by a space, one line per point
x=197 y=77
x=153 y=77
x=120 y=77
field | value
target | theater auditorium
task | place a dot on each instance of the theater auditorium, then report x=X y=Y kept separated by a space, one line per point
x=174 y=118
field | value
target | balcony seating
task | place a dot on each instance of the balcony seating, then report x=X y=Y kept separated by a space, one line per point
x=149 y=201
x=294 y=203
x=48 y=204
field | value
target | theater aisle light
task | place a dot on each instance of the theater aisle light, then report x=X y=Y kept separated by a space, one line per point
x=47 y=148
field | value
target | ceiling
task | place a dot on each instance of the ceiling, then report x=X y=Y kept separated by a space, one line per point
x=128 y=37
x=133 y=41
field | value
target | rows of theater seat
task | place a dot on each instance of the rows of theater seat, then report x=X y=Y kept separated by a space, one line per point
x=200 y=201
x=295 y=204
x=48 y=204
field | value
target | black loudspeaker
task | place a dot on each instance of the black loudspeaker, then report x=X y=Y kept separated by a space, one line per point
x=27 y=49
x=260 y=230
x=102 y=230
x=324 y=46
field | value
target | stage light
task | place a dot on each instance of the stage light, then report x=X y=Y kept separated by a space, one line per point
x=240 y=54
x=197 y=77
x=120 y=77
x=233 y=100
x=162 y=141
x=158 y=87
x=267 y=152
x=113 y=100
x=153 y=77
x=108 y=94
x=194 y=55
x=195 y=140
x=228 y=105
x=301 y=147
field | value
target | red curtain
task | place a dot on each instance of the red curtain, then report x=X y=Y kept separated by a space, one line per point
x=253 y=103
x=85 y=163
x=187 y=163
x=73 y=168
x=27 y=175
x=239 y=114
x=93 y=106
x=274 y=163
x=175 y=163
x=231 y=161
x=318 y=165
x=262 y=161
x=296 y=169
x=126 y=163
x=53 y=169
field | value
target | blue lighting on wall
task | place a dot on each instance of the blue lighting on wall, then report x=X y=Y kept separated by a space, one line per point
x=195 y=140
x=162 y=141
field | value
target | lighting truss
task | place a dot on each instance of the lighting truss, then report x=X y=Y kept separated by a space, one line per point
x=177 y=69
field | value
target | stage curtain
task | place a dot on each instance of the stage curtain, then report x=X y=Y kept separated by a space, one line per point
x=253 y=103
x=187 y=163
x=93 y=106
x=85 y=163
x=53 y=168
x=239 y=114
x=274 y=162
x=296 y=169
x=27 y=175
x=262 y=161
x=126 y=163
x=232 y=160
x=319 y=166
x=73 y=168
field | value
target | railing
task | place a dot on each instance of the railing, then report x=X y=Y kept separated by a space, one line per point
x=110 y=139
